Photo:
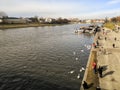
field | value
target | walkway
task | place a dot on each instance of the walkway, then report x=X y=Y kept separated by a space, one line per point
x=109 y=58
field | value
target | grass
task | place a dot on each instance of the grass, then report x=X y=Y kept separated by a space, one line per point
x=7 y=26
x=91 y=77
x=110 y=25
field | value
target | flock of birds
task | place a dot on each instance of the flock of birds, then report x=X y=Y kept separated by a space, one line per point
x=82 y=68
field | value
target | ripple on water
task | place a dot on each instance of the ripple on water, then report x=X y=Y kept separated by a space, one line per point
x=40 y=58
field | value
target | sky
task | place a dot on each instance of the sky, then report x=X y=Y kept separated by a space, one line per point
x=84 y=9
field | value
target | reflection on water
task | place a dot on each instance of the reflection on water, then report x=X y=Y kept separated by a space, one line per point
x=42 y=58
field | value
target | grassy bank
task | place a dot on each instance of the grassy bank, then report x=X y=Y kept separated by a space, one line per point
x=8 y=26
x=110 y=25
x=91 y=77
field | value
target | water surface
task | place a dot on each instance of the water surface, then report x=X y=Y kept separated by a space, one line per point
x=40 y=58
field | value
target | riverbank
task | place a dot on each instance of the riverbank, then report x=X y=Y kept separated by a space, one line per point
x=8 y=26
x=110 y=60
x=106 y=56
x=90 y=77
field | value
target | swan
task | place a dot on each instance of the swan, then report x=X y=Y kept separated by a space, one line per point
x=82 y=50
x=83 y=68
x=78 y=76
x=80 y=70
x=76 y=58
x=71 y=72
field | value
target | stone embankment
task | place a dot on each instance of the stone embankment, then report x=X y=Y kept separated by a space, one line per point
x=106 y=55
x=89 y=76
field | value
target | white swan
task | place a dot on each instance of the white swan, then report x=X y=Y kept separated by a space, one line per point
x=71 y=72
x=78 y=76
x=82 y=50
x=80 y=70
x=88 y=47
x=76 y=59
x=83 y=68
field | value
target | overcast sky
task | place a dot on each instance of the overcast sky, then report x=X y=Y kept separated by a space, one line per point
x=61 y=8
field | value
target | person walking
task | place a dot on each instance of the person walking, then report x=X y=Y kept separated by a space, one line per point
x=94 y=45
x=113 y=45
x=85 y=85
x=99 y=37
x=94 y=66
x=115 y=38
x=97 y=43
x=105 y=38
x=98 y=88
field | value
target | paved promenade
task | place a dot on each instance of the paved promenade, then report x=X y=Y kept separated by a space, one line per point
x=109 y=58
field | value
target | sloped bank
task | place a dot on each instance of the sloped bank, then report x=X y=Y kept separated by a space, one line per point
x=9 y=26
x=89 y=76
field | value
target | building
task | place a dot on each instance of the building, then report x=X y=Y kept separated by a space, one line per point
x=74 y=19
x=48 y=20
x=13 y=20
x=98 y=21
x=41 y=20
x=88 y=21
x=1 y=20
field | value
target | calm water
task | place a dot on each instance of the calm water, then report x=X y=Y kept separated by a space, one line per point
x=41 y=58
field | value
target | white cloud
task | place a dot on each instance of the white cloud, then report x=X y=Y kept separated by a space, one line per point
x=102 y=14
x=55 y=9
x=41 y=8
x=114 y=2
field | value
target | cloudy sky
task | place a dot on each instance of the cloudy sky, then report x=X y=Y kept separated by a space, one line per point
x=61 y=8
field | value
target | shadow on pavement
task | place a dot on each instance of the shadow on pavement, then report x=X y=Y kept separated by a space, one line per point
x=108 y=73
x=104 y=67
x=90 y=85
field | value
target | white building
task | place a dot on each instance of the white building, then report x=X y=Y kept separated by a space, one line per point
x=1 y=20
x=88 y=21
x=48 y=20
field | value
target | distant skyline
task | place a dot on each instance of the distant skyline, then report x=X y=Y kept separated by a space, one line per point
x=83 y=9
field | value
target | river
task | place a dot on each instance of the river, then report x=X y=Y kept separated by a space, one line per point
x=42 y=58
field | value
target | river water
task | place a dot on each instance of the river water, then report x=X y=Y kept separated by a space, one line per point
x=42 y=58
